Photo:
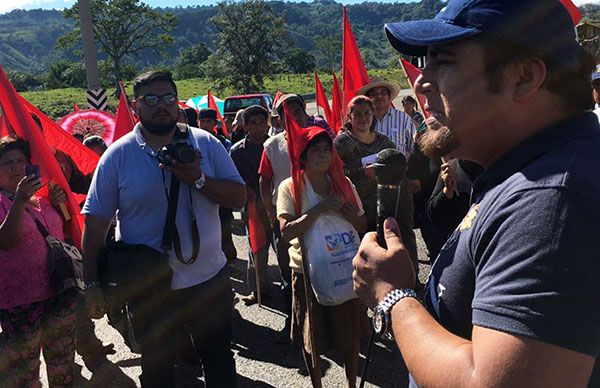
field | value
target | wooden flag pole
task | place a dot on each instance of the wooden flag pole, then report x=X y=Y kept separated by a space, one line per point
x=307 y=295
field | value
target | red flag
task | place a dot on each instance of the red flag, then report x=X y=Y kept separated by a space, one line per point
x=75 y=107
x=322 y=101
x=277 y=97
x=336 y=104
x=85 y=159
x=5 y=128
x=256 y=229
x=212 y=104
x=573 y=11
x=412 y=73
x=297 y=140
x=354 y=72
x=26 y=128
x=125 y=120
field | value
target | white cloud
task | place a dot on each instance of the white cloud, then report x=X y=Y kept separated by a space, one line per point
x=7 y=6
x=581 y=2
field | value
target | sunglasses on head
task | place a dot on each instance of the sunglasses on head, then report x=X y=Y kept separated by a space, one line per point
x=153 y=100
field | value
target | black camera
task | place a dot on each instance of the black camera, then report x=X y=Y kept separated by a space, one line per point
x=180 y=151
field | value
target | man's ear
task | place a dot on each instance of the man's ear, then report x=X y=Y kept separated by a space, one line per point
x=528 y=77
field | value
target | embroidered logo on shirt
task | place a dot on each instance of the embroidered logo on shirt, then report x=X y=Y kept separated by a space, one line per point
x=441 y=290
x=467 y=222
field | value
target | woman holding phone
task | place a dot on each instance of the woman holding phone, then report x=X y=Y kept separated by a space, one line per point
x=32 y=317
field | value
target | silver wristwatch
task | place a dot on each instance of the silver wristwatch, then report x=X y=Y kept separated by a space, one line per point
x=199 y=183
x=381 y=316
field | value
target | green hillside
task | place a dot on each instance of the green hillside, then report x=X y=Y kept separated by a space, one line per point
x=27 y=38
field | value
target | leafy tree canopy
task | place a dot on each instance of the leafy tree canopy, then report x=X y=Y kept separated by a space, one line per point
x=123 y=28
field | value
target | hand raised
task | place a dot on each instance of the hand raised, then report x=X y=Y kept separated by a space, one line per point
x=26 y=188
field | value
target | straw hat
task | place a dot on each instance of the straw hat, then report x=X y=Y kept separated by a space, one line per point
x=393 y=88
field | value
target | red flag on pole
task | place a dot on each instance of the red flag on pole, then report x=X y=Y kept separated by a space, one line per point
x=322 y=101
x=354 y=72
x=212 y=104
x=25 y=127
x=412 y=73
x=336 y=104
x=256 y=228
x=125 y=120
x=573 y=11
x=85 y=159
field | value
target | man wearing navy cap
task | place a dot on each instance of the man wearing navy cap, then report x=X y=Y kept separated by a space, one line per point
x=512 y=299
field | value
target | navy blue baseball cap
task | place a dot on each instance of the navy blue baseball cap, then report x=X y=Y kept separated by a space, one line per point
x=543 y=25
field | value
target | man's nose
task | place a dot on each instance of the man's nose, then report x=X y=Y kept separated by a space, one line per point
x=423 y=85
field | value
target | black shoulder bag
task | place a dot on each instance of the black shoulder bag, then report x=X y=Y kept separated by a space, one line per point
x=127 y=271
x=65 y=265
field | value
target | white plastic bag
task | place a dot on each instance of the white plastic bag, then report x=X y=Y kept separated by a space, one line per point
x=330 y=245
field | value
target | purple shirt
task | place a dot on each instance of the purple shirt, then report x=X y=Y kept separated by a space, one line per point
x=24 y=269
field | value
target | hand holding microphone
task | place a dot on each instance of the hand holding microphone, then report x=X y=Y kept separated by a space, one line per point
x=382 y=262
x=390 y=170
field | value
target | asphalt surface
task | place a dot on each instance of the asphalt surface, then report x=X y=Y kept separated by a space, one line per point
x=260 y=361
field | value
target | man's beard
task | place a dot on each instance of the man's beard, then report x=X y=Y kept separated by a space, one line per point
x=160 y=128
x=439 y=142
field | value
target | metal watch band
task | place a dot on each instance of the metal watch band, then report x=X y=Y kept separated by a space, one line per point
x=200 y=182
x=90 y=285
x=394 y=296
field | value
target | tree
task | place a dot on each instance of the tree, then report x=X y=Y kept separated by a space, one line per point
x=250 y=39
x=299 y=60
x=123 y=28
x=189 y=61
x=330 y=52
x=23 y=81
x=64 y=74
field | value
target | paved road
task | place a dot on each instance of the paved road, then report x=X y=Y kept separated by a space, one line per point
x=260 y=361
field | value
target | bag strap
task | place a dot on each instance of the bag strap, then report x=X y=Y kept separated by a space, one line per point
x=170 y=232
x=38 y=223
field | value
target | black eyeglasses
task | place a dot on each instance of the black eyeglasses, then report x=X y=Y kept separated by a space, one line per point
x=153 y=99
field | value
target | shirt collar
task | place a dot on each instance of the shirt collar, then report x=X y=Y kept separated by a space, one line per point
x=525 y=152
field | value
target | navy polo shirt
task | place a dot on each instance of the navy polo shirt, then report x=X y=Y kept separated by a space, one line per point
x=526 y=258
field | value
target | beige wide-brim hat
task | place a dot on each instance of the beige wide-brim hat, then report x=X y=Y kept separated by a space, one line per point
x=393 y=88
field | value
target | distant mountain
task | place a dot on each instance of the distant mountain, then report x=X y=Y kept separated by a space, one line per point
x=27 y=38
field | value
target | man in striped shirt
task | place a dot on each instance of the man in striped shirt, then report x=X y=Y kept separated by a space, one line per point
x=395 y=124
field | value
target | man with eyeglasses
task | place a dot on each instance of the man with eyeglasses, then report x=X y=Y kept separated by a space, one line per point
x=131 y=182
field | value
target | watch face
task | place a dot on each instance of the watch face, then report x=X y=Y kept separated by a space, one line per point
x=378 y=321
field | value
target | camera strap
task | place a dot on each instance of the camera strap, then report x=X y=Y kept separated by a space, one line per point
x=170 y=233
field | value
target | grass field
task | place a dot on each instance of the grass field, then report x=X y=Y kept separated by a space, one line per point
x=59 y=102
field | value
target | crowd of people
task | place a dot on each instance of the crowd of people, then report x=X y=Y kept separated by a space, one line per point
x=501 y=181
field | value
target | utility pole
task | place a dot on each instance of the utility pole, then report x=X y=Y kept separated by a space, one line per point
x=96 y=96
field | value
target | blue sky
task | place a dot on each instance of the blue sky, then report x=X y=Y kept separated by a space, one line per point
x=9 y=5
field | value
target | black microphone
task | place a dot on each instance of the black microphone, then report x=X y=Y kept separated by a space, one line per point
x=390 y=170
